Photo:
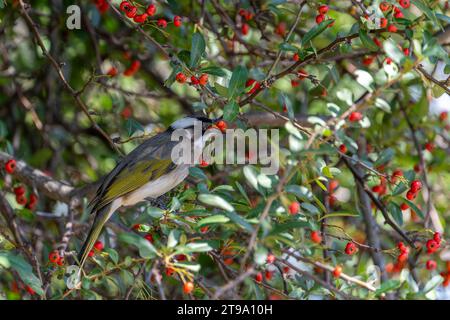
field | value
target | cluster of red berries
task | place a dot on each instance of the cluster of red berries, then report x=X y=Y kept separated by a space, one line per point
x=247 y=15
x=434 y=244
x=55 y=258
x=102 y=5
x=415 y=187
x=131 y=12
x=401 y=259
x=322 y=10
x=98 y=247
x=201 y=80
x=21 y=198
x=355 y=116
x=386 y=8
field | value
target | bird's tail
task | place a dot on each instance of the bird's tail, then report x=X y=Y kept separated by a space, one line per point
x=100 y=219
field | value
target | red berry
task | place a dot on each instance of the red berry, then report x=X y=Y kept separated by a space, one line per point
x=323 y=9
x=377 y=42
x=140 y=18
x=126 y=112
x=53 y=257
x=60 y=261
x=383 y=23
x=270 y=258
x=136 y=227
x=429 y=146
x=203 y=80
x=397 y=173
x=149 y=238
x=151 y=10
x=124 y=6
x=410 y=195
x=343 y=148
x=401 y=246
x=245 y=28
x=443 y=115
x=162 y=23
x=355 y=116
x=392 y=28
x=180 y=77
x=377 y=189
x=112 y=72
x=29 y=290
x=169 y=271
x=320 y=18
x=188 y=287
x=337 y=271
x=222 y=126
x=404 y=3
x=350 y=248
x=19 y=191
x=194 y=80
x=91 y=253
x=432 y=246
x=203 y=163
x=406 y=51
x=131 y=11
x=294 y=207
x=398 y=15
x=431 y=265
x=10 y=166
x=268 y=275
x=416 y=185
x=402 y=257
x=253 y=84
x=177 y=21
x=388 y=60
x=296 y=57
x=33 y=200
x=315 y=237
x=180 y=257
x=22 y=200
x=258 y=277
x=384 y=6
x=281 y=29
x=204 y=229
x=404 y=206
x=437 y=237
x=98 y=245
x=294 y=83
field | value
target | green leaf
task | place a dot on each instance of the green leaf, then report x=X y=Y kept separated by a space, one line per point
x=198 y=173
x=239 y=220
x=433 y=283
x=195 y=247
x=315 y=31
x=133 y=126
x=215 y=201
x=388 y=286
x=310 y=208
x=230 y=111
x=301 y=192
x=113 y=255
x=338 y=214
x=385 y=156
x=289 y=225
x=10 y=260
x=146 y=249
x=213 y=70
x=218 y=218
x=367 y=41
x=396 y=212
x=154 y=212
x=197 y=49
x=237 y=81
x=415 y=208
x=427 y=11
x=192 y=266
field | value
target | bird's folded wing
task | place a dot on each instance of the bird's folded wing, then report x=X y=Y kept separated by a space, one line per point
x=132 y=178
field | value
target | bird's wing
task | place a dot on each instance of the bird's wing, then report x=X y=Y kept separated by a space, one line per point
x=147 y=162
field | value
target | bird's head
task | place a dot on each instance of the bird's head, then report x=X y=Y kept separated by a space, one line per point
x=189 y=122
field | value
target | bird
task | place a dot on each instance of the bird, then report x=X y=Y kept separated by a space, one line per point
x=147 y=172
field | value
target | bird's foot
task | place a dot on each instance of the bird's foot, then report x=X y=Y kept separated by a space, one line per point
x=159 y=202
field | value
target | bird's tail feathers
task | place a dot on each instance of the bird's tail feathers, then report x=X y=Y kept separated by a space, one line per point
x=100 y=219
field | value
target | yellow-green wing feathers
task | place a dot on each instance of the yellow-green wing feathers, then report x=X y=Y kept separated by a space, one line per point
x=132 y=178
